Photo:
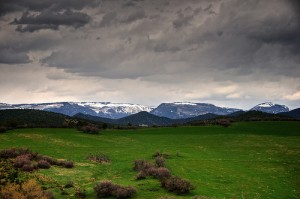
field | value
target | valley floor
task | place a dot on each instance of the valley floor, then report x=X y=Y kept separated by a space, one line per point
x=245 y=160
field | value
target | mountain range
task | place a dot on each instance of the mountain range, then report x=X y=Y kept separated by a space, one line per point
x=176 y=110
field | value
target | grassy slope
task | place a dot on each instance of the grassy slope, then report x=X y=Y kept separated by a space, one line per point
x=250 y=160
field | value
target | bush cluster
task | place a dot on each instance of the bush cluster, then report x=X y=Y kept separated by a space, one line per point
x=43 y=164
x=159 y=154
x=100 y=158
x=91 y=129
x=177 y=185
x=142 y=165
x=27 y=160
x=160 y=161
x=158 y=171
x=108 y=189
x=14 y=152
x=224 y=122
x=28 y=190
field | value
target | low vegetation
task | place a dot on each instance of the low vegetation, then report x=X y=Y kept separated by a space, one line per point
x=158 y=171
x=249 y=159
x=108 y=189
x=27 y=190
x=177 y=185
x=99 y=157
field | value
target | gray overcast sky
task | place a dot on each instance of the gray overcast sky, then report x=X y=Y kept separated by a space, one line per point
x=233 y=53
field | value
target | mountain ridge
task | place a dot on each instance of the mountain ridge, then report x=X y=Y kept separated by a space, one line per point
x=175 y=110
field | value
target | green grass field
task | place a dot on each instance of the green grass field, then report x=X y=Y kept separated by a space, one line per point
x=245 y=160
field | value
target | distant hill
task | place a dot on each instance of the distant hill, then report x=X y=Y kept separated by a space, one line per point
x=293 y=113
x=141 y=118
x=256 y=116
x=94 y=118
x=101 y=109
x=179 y=110
x=28 y=117
x=145 y=118
x=269 y=107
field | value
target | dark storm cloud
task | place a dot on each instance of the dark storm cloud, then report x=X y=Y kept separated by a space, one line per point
x=108 y=19
x=11 y=56
x=51 y=20
x=7 y=6
x=51 y=14
x=137 y=15
x=36 y=27
x=234 y=38
x=182 y=20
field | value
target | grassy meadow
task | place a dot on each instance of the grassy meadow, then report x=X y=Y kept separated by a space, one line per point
x=245 y=160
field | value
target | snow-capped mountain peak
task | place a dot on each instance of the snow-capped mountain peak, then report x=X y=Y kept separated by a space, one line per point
x=101 y=109
x=178 y=110
x=270 y=107
x=266 y=104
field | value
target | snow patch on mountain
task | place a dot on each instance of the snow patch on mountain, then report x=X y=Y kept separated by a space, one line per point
x=270 y=107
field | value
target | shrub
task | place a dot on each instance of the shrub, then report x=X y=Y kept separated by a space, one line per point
x=177 y=185
x=107 y=189
x=91 y=129
x=10 y=191
x=160 y=161
x=141 y=175
x=224 y=122
x=124 y=192
x=22 y=160
x=43 y=164
x=159 y=154
x=50 y=160
x=104 y=189
x=159 y=173
x=28 y=167
x=101 y=158
x=142 y=165
x=13 y=152
x=68 y=164
x=28 y=190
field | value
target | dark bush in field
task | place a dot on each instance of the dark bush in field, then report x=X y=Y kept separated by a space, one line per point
x=107 y=189
x=141 y=175
x=68 y=164
x=65 y=163
x=142 y=165
x=160 y=161
x=224 y=122
x=28 y=167
x=43 y=164
x=159 y=173
x=13 y=152
x=22 y=160
x=91 y=129
x=104 y=189
x=124 y=192
x=159 y=154
x=177 y=185
x=50 y=160
x=100 y=158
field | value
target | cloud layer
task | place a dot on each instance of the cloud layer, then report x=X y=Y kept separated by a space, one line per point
x=226 y=52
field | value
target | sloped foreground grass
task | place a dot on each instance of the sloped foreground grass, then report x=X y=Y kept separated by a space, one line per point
x=245 y=160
